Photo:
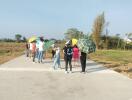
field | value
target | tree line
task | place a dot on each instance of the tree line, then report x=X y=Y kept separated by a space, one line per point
x=100 y=35
x=18 y=38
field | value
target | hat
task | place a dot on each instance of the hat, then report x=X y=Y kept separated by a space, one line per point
x=68 y=42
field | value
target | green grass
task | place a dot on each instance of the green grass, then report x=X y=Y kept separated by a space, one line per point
x=118 y=60
x=118 y=56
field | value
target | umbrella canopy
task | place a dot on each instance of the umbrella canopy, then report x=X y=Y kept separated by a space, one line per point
x=86 y=45
x=32 y=39
x=48 y=44
x=74 y=41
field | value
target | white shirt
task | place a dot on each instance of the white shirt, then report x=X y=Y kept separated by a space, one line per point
x=37 y=45
x=41 y=46
x=31 y=46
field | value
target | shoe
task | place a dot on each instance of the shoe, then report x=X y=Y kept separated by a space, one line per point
x=83 y=72
x=33 y=62
x=66 y=72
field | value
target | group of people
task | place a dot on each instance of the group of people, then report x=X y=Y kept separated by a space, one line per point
x=35 y=50
x=71 y=53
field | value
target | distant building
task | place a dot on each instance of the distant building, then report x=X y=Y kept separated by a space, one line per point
x=128 y=40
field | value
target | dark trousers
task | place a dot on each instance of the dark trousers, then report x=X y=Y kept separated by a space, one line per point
x=83 y=63
x=68 y=61
x=34 y=55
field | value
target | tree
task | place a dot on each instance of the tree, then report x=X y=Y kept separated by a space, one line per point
x=72 y=33
x=18 y=37
x=24 y=39
x=98 y=29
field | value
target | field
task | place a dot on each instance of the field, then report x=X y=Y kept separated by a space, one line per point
x=12 y=50
x=9 y=51
x=118 y=60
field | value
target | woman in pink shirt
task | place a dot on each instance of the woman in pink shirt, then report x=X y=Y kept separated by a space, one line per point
x=75 y=55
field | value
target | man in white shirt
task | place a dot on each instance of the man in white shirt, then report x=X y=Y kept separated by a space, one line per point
x=40 y=50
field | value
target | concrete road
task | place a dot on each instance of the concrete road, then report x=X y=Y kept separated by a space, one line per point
x=20 y=79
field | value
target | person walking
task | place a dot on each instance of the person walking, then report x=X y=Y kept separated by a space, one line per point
x=40 y=50
x=75 y=55
x=37 y=49
x=68 y=57
x=34 y=50
x=27 y=49
x=57 y=58
x=83 y=61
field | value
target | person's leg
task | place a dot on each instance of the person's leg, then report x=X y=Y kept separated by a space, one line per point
x=26 y=52
x=81 y=61
x=84 y=64
x=73 y=61
x=70 y=65
x=55 y=62
x=59 y=66
x=39 y=54
x=29 y=53
x=34 y=56
x=76 y=62
x=66 y=65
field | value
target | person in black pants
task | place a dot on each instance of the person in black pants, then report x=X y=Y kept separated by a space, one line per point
x=83 y=61
x=68 y=57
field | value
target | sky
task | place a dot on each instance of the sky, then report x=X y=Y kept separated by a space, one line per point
x=51 y=18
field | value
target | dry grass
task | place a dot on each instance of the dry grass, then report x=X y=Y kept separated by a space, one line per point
x=118 y=60
x=9 y=51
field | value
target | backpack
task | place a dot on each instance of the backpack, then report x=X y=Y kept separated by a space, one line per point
x=69 y=51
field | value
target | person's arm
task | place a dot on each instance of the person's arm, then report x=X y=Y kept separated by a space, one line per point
x=63 y=51
x=43 y=45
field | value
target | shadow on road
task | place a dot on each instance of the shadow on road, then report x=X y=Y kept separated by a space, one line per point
x=92 y=64
x=90 y=70
x=92 y=67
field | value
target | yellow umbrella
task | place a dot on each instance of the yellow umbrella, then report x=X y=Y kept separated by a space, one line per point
x=74 y=41
x=32 y=39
